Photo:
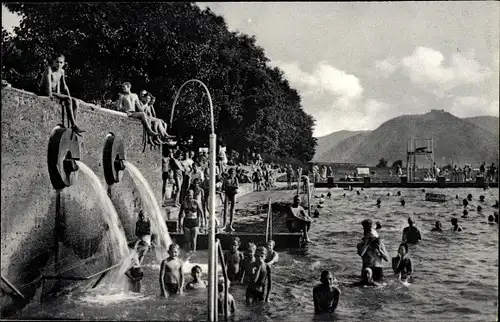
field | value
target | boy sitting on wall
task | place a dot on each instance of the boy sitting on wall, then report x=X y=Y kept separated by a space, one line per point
x=50 y=85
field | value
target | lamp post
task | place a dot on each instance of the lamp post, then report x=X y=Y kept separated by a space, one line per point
x=212 y=282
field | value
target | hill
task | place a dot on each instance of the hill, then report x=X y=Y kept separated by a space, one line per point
x=327 y=142
x=489 y=123
x=455 y=139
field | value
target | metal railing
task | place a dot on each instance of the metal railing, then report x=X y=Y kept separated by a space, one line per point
x=76 y=278
x=13 y=288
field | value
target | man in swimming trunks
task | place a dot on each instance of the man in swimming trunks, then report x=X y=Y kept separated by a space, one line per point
x=325 y=295
x=402 y=265
x=298 y=219
x=411 y=234
x=50 y=85
x=189 y=219
x=171 y=273
x=129 y=103
x=372 y=250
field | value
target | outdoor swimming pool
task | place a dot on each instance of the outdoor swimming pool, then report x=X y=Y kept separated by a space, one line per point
x=456 y=274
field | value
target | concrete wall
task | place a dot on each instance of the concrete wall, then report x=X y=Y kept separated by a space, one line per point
x=28 y=215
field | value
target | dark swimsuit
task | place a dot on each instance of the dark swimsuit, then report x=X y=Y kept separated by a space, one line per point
x=190 y=222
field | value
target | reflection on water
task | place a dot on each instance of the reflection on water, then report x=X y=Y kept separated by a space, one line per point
x=456 y=274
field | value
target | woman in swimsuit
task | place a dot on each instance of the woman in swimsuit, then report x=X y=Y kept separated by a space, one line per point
x=189 y=219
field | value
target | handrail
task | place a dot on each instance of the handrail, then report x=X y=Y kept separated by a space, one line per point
x=12 y=287
x=226 y=280
x=269 y=223
x=306 y=178
x=76 y=278
x=73 y=278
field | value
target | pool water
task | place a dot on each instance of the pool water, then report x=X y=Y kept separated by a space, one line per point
x=455 y=273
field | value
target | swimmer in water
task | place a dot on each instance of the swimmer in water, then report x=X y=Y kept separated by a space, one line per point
x=197 y=283
x=456 y=196
x=481 y=198
x=171 y=273
x=234 y=258
x=230 y=300
x=465 y=203
x=372 y=250
x=329 y=194
x=135 y=275
x=403 y=202
x=456 y=227
x=479 y=209
x=325 y=295
x=247 y=269
x=260 y=282
x=378 y=226
x=411 y=234
x=438 y=227
x=379 y=202
x=399 y=193
x=465 y=213
x=367 y=279
x=316 y=212
x=469 y=197
x=491 y=220
x=272 y=255
x=401 y=264
x=357 y=192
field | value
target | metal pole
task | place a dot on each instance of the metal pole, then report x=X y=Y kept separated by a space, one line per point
x=216 y=283
x=211 y=239
x=212 y=272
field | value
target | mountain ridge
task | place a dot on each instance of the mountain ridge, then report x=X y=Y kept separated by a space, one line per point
x=462 y=140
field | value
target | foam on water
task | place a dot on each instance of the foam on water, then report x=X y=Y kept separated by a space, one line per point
x=153 y=210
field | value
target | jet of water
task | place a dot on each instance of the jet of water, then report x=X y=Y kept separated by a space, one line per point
x=151 y=207
x=115 y=246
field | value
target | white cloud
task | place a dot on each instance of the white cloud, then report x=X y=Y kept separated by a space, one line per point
x=386 y=67
x=425 y=67
x=467 y=106
x=324 y=79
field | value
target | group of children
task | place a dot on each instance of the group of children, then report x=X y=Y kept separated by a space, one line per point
x=251 y=268
x=263 y=178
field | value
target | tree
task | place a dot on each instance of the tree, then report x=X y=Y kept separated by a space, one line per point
x=382 y=163
x=397 y=163
x=106 y=44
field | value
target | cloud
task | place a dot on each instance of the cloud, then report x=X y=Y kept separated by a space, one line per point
x=325 y=79
x=335 y=98
x=468 y=106
x=386 y=67
x=425 y=67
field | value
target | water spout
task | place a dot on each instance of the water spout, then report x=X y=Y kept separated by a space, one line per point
x=116 y=247
x=152 y=209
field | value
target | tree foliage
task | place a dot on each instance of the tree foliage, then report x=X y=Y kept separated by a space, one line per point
x=397 y=163
x=157 y=47
x=382 y=163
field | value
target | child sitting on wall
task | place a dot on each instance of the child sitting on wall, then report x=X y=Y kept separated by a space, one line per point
x=50 y=85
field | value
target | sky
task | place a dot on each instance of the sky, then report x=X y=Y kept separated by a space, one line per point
x=357 y=65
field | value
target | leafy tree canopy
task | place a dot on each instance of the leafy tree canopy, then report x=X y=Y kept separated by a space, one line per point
x=157 y=47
